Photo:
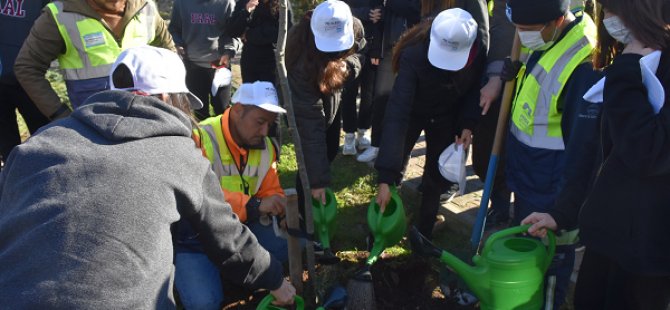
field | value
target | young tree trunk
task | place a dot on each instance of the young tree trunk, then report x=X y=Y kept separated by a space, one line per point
x=308 y=294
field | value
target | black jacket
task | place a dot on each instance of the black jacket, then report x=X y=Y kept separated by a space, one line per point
x=260 y=27
x=626 y=214
x=15 y=24
x=397 y=16
x=424 y=92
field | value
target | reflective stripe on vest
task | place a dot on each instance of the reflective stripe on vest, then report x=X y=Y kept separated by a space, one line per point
x=536 y=121
x=90 y=48
x=223 y=164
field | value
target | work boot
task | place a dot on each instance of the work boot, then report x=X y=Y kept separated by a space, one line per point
x=349 y=147
x=369 y=155
x=362 y=141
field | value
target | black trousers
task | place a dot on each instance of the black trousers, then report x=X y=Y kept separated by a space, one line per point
x=438 y=137
x=199 y=82
x=384 y=81
x=258 y=64
x=366 y=81
x=482 y=144
x=603 y=284
x=12 y=97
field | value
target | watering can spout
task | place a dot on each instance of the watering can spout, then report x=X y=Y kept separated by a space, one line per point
x=471 y=275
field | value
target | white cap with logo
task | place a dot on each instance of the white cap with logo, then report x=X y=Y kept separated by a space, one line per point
x=451 y=37
x=333 y=26
x=259 y=93
x=155 y=71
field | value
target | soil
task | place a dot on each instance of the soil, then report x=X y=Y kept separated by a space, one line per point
x=404 y=282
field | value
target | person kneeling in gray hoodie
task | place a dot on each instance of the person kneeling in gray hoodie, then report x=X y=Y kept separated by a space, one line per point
x=87 y=203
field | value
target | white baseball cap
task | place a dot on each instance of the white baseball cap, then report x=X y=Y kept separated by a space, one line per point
x=451 y=37
x=155 y=71
x=333 y=26
x=259 y=93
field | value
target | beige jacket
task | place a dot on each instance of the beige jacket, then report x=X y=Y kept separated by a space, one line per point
x=44 y=44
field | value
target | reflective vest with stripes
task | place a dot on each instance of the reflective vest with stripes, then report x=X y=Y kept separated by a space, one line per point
x=536 y=121
x=90 y=48
x=223 y=164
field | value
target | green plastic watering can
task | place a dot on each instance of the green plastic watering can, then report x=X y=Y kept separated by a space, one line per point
x=266 y=303
x=387 y=228
x=324 y=217
x=509 y=273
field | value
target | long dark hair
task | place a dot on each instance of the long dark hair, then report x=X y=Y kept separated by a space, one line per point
x=325 y=69
x=419 y=33
x=432 y=7
x=647 y=20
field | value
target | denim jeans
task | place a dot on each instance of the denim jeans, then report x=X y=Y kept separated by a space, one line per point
x=198 y=281
x=277 y=246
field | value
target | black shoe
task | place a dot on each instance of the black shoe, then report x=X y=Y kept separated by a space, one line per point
x=450 y=193
x=495 y=219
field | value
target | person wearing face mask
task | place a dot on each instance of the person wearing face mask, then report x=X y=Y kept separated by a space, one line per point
x=623 y=222
x=546 y=106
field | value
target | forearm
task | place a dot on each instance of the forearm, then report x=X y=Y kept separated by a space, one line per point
x=229 y=244
x=162 y=37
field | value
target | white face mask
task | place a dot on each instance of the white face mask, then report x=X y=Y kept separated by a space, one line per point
x=617 y=29
x=534 y=41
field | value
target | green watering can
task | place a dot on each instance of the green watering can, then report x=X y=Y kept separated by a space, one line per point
x=324 y=217
x=266 y=303
x=387 y=228
x=509 y=273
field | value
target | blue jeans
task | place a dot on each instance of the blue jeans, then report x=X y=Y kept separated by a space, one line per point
x=198 y=281
x=277 y=246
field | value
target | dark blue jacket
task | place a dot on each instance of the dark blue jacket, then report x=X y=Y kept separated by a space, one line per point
x=537 y=174
x=16 y=19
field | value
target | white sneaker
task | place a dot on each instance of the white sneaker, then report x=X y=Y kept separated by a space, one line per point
x=369 y=155
x=349 y=147
x=362 y=141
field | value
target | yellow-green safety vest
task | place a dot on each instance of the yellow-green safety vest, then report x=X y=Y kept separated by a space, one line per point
x=536 y=121
x=90 y=49
x=223 y=164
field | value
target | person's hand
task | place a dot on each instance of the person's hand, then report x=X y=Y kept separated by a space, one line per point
x=274 y=205
x=374 y=61
x=375 y=15
x=251 y=5
x=383 y=196
x=636 y=47
x=489 y=93
x=181 y=51
x=465 y=139
x=224 y=61
x=319 y=194
x=541 y=222
x=284 y=294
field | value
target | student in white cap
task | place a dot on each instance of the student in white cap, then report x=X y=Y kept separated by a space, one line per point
x=87 y=204
x=439 y=66
x=244 y=161
x=319 y=58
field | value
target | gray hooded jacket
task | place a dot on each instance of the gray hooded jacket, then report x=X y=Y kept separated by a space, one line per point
x=86 y=207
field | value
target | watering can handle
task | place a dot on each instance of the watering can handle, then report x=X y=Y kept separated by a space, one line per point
x=522 y=229
x=267 y=302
